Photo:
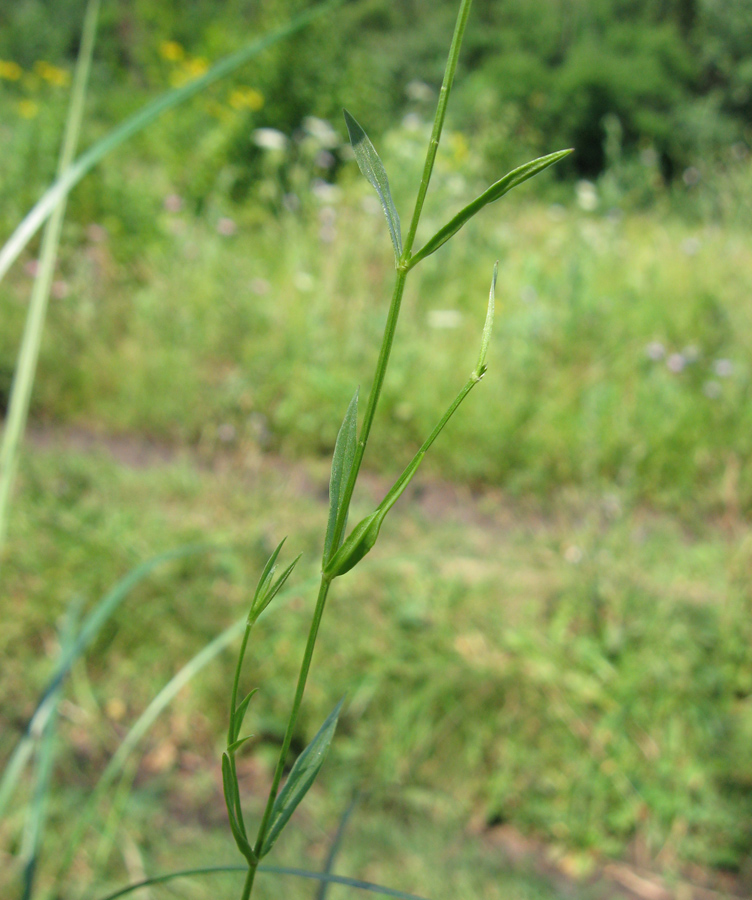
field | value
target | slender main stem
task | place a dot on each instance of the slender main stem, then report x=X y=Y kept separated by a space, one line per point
x=299 y=691
x=438 y=122
x=236 y=683
x=248 y=886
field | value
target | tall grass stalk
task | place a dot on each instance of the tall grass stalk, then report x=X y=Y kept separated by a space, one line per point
x=20 y=395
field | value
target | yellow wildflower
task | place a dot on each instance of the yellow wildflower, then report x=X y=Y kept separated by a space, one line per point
x=246 y=98
x=28 y=109
x=460 y=147
x=10 y=71
x=52 y=74
x=196 y=67
x=172 y=51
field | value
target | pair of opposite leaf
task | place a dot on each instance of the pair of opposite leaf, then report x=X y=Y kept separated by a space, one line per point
x=371 y=166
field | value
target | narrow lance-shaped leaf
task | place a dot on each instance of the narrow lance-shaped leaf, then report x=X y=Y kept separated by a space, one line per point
x=237 y=719
x=365 y=534
x=233 y=813
x=302 y=776
x=342 y=463
x=371 y=166
x=273 y=590
x=236 y=745
x=497 y=190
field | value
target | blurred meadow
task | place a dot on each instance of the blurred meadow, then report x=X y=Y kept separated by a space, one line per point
x=548 y=656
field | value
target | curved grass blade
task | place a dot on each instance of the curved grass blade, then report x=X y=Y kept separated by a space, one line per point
x=497 y=190
x=23 y=379
x=270 y=870
x=89 y=630
x=142 y=725
x=342 y=463
x=365 y=534
x=300 y=779
x=370 y=164
x=136 y=123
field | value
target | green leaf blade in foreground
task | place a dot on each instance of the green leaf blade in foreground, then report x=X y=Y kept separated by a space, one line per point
x=302 y=776
x=496 y=191
x=327 y=878
x=370 y=164
x=136 y=123
x=342 y=463
x=234 y=813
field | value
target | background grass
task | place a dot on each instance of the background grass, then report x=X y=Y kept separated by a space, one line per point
x=553 y=637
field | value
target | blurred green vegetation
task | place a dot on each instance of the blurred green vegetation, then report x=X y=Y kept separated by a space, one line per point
x=570 y=658
x=580 y=671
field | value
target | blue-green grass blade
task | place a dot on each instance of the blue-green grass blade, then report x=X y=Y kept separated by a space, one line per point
x=342 y=463
x=370 y=164
x=37 y=815
x=89 y=630
x=497 y=190
x=323 y=892
x=140 y=120
x=269 y=870
x=302 y=775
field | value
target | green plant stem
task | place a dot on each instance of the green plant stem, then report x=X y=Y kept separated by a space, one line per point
x=23 y=381
x=403 y=268
x=299 y=691
x=438 y=122
x=373 y=399
x=248 y=886
x=236 y=683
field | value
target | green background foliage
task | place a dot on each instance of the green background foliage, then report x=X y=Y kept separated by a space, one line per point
x=565 y=649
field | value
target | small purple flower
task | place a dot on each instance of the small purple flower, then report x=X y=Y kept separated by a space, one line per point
x=226 y=227
x=723 y=368
x=655 y=351
x=712 y=390
x=60 y=289
x=260 y=286
x=173 y=203
x=675 y=363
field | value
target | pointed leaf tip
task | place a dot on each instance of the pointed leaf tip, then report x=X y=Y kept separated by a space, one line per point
x=480 y=369
x=370 y=164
